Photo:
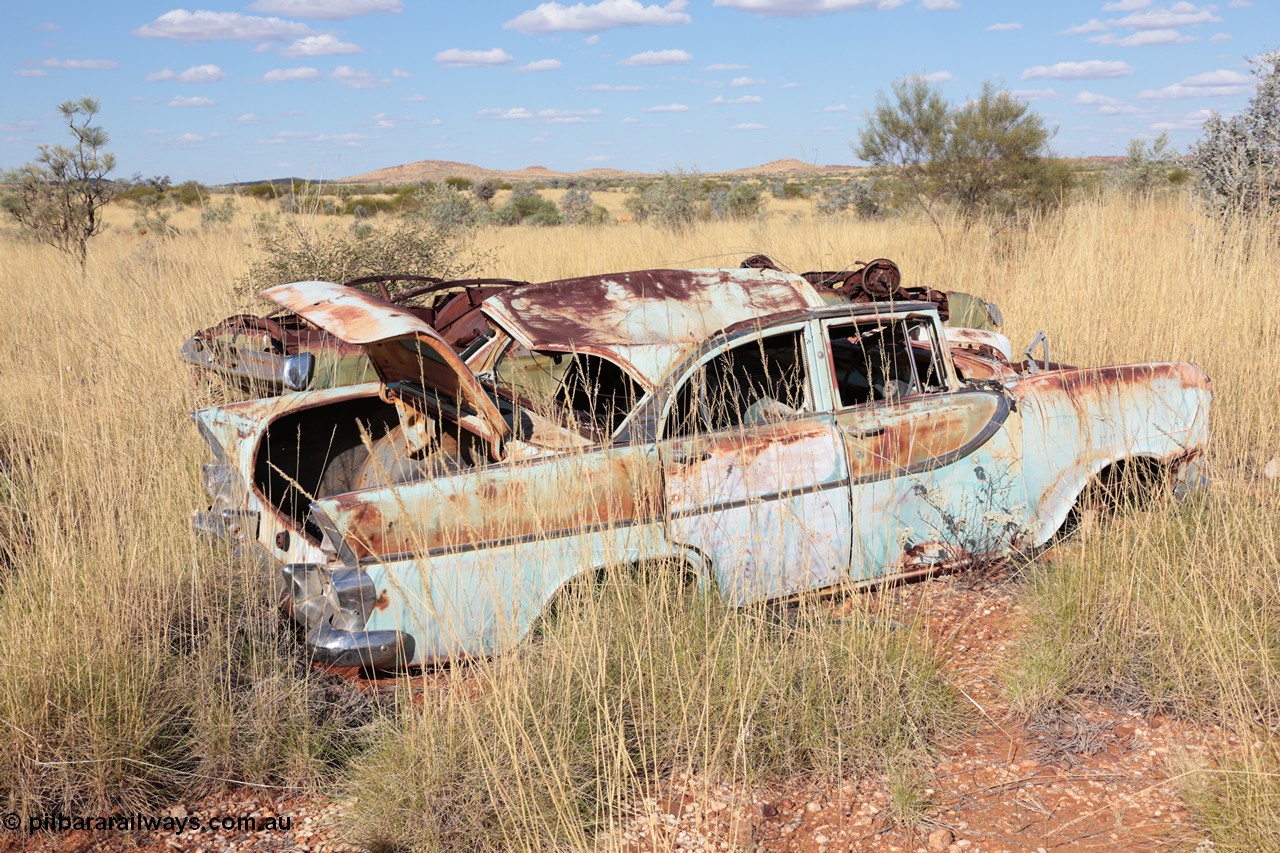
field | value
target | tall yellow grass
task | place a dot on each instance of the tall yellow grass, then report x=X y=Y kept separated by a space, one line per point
x=139 y=666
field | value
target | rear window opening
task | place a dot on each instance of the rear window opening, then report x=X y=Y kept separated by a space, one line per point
x=583 y=392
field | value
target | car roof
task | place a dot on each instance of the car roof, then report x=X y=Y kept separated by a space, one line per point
x=647 y=320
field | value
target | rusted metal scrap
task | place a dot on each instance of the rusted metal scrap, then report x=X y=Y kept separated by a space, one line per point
x=880 y=280
x=267 y=355
x=773 y=439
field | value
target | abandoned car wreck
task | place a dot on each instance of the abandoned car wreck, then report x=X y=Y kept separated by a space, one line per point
x=739 y=421
x=263 y=356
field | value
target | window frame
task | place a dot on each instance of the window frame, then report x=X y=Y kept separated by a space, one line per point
x=812 y=390
x=494 y=357
x=936 y=346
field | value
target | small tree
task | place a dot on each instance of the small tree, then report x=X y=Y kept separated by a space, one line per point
x=988 y=157
x=58 y=196
x=575 y=206
x=1149 y=168
x=1238 y=159
x=672 y=201
x=995 y=149
x=484 y=190
x=744 y=201
x=909 y=133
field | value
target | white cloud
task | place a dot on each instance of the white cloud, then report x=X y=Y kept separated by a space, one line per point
x=938 y=77
x=507 y=114
x=247 y=118
x=413 y=99
x=668 y=108
x=25 y=125
x=1239 y=4
x=591 y=40
x=604 y=15
x=341 y=140
x=745 y=99
x=935 y=5
x=1093 y=25
x=90 y=64
x=806 y=8
x=630 y=120
x=1089 y=70
x=286 y=75
x=31 y=72
x=836 y=108
x=748 y=126
x=322 y=45
x=605 y=87
x=1035 y=94
x=455 y=58
x=203 y=25
x=746 y=81
x=198 y=101
x=1220 y=37
x=194 y=74
x=564 y=116
x=658 y=57
x=599 y=158
x=329 y=10
x=1126 y=5
x=1003 y=28
x=1094 y=98
x=1160 y=18
x=1117 y=110
x=187 y=138
x=725 y=67
x=400 y=75
x=1212 y=84
x=542 y=65
x=1143 y=38
x=345 y=75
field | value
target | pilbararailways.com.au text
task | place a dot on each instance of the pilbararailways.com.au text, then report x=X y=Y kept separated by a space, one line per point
x=138 y=822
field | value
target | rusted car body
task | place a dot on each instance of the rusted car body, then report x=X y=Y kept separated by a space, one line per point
x=270 y=354
x=734 y=420
x=263 y=356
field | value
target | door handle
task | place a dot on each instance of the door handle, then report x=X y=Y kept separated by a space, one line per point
x=868 y=432
x=690 y=458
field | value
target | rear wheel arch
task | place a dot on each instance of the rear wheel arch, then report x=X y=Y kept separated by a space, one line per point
x=1117 y=484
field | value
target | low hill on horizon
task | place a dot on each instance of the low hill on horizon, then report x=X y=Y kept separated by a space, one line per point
x=438 y=170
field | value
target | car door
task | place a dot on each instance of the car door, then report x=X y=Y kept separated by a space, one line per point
x=935 y=469
x=755 y=476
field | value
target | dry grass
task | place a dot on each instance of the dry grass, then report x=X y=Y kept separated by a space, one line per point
x=141 y=665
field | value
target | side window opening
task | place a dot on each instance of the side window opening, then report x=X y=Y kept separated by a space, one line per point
x=885 y=360
x=758 y=381
x=586 y=393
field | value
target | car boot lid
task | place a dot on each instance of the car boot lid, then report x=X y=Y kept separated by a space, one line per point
x=402 y=346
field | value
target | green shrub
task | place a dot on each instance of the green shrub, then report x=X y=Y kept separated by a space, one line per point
x=527 y=206
x=304 y=251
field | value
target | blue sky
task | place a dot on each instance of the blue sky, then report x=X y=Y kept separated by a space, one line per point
x=233 y=91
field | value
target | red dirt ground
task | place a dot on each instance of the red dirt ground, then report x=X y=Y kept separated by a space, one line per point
x=1099 y=778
